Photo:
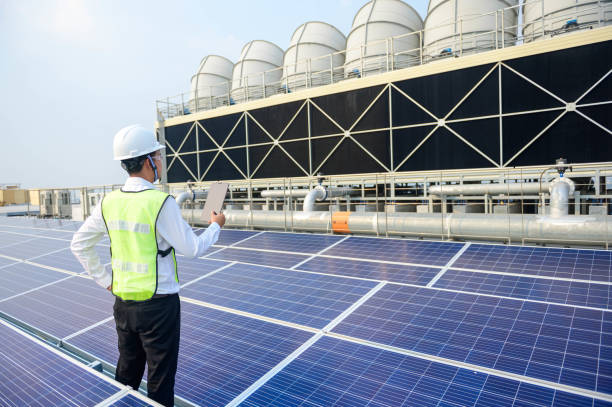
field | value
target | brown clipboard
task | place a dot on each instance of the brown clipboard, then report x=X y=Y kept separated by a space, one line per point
x=214 y=199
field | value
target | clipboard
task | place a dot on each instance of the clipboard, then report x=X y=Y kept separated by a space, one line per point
x=215 y=199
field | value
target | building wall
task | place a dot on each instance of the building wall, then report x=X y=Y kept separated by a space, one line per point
x=505 y=112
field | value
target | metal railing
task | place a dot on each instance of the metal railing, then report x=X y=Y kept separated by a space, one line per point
x=390 y=54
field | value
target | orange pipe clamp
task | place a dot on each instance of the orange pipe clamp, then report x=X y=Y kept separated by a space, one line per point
x=340 y=222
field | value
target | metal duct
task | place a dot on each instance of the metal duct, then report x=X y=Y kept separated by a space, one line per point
x=522 y=188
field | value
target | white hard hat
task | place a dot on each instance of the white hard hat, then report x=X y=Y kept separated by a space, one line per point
x=134 y=141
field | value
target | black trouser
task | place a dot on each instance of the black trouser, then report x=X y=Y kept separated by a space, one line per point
x=149 y=331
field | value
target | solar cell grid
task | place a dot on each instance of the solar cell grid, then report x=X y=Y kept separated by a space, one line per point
x=34 y=248
x=230 y=236
x=10 y=239
x=21 y=277
x=65 y=260
x=577 y=264
x=221 y=354
x=540 y=289
x=130 y=401
x=190 y=269
x=377 y=271
x=33 y=375
x=302 y=298
x=337 y=372
x=551 y=342
x=62 y=308
x=258 y=257
x=291 y=242
x=396 y=250
x=5 y=262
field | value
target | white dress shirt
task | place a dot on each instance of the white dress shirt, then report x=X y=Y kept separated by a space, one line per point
x=172 y=231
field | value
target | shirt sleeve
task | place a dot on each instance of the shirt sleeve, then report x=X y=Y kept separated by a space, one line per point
x=83 y=247
x=173 y=229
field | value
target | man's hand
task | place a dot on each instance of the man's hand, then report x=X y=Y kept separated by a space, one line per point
x=218 y=218
x=109 y=288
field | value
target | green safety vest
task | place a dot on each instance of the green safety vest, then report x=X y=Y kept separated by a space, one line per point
x=131 y=222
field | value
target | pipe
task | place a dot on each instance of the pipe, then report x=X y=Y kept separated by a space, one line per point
x=320 y=193
x=560 y=190
x=516 y=188
x=568 y=229
x=190 y=196
x=284 y=193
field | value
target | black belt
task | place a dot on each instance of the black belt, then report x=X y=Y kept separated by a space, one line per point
x=155 y=297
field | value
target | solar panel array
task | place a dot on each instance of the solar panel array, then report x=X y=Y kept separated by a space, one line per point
x=272 y=318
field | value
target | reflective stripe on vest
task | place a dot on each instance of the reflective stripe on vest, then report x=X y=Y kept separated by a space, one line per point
x=131 y=219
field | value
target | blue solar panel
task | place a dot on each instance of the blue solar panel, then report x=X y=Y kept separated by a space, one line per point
x=62 y=308
x=65 y=260
x=21 y=277
x=396 y=250
x=190 y=269
x=230 y=236
x=398 y=273
x=291 y=242
x=302 y=298
x=34 y=248
x=5 y=262
x=221 y=354
x=540 y=289
x=562 y=263
x=258 y=257
x=33 y=375
x=11 y=239
x=336 y=372
x=130 y=401
x=551 y=342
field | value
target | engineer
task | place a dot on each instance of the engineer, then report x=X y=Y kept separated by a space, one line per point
x=145 y=228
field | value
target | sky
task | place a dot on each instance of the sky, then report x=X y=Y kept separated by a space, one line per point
x=73 y=72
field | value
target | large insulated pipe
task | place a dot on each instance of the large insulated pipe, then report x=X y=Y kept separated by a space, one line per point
x=560 y=191
x=190 y=196
x=569 y=229
x=284 y=193
x=518 y=188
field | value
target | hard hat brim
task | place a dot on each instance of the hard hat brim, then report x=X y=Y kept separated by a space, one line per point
x=141 y=153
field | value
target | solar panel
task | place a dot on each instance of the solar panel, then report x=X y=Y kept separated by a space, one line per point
x=540 y=289
x=398 y=273
x=224 y=353
x=396 y=250
x=190 y=269
x=21 y=277
x=62 y=308
x=131 y=400
x=229 y=236
x=10 y=239
x=5 y=262
x=291 y=242
x=302 y=298
x=337 y=372
x=33 y=248
x=593 y=265
x=65 y=260
x=221 y=354
x=551 y=342
x=34 y=375
x=258 y=257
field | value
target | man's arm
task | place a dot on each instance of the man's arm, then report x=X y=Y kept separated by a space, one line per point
x=83 y=243
x=173 y=229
